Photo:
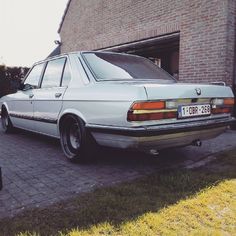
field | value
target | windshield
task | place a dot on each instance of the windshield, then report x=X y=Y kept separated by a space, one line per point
x=114 y=66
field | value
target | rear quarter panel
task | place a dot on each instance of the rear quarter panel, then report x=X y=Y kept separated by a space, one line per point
x=102 y=104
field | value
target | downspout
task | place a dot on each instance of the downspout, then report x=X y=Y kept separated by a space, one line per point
x=234 y=71
x=234 y=65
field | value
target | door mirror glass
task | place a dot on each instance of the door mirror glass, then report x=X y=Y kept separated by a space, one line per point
x=26 y=87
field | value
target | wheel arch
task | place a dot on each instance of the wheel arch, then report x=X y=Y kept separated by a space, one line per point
x=4 y=106
x=69 y=112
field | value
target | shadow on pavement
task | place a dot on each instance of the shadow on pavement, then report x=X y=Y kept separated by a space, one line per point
x=124 y=202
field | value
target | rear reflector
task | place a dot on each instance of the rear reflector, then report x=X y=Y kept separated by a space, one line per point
x=150 y=116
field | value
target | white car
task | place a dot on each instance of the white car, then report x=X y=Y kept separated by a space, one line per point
x=117 y=100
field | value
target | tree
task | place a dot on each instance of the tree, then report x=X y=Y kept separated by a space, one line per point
x=11 y=78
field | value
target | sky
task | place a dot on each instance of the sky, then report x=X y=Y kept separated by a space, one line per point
x=28 y=29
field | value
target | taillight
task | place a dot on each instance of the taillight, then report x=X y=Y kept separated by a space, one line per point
x=222 y=105
x=148 y=105
x=153 y=110
x=229 y=102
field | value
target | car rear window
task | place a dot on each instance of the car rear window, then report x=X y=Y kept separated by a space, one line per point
x=114 y=66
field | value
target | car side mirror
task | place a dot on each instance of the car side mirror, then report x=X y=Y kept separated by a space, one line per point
x=26 y=87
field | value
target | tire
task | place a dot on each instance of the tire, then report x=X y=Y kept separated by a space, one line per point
x=6 y=122
x=74 y=138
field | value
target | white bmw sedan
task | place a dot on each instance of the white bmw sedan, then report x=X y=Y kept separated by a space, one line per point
x=116 y=100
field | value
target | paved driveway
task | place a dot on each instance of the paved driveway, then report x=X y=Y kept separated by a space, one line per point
x=36 y=174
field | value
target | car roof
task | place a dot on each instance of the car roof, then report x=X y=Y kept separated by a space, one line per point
x=79 y=52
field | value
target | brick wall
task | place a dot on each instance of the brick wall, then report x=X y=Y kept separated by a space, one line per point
x=207 y=30
x=231 y=41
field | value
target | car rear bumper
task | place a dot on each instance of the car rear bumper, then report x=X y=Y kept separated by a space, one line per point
x=159 y=136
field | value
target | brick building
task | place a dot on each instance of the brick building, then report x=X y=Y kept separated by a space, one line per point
x=191 y=39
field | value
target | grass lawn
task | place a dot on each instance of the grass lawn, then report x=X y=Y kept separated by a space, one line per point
x=184 y=202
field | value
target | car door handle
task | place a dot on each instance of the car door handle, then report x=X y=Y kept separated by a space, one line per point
x=57 y=95
x=31 y=95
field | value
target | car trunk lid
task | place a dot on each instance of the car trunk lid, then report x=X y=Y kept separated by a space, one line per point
x=181 y=90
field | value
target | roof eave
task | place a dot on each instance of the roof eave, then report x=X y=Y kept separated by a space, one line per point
x=63 y=17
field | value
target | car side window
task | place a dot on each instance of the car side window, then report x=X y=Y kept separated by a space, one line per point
x=34 y=75
x=66 y=75
x=53 y=73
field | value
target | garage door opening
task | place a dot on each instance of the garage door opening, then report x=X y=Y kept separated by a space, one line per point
x=162 y=50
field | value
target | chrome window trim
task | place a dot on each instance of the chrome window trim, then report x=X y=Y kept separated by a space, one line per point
x=45 y=67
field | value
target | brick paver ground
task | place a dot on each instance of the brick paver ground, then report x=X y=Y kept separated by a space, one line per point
x=36 y=173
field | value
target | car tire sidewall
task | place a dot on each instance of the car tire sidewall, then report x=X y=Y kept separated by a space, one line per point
x=73 y=154
x=6 y=122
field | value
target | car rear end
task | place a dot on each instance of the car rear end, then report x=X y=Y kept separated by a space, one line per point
x=173 y=114
x=166 y=120
x=187 y=118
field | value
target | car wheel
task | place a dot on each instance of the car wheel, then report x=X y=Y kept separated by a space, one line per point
x=73 y=138
x=6 y=122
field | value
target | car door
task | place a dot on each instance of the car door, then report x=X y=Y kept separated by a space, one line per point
x=48 y=99
x=22 y=108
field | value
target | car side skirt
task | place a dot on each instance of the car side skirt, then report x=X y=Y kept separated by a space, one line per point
x=40 y=119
